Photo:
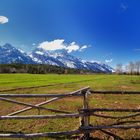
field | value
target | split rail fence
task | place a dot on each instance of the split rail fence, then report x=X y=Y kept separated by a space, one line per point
x=84 y=113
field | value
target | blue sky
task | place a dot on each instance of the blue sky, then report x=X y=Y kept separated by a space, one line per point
x=110 y=29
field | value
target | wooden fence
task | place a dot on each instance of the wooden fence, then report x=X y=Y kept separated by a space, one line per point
x=84 y=113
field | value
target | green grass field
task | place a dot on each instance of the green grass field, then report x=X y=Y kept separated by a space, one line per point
x=54 y=83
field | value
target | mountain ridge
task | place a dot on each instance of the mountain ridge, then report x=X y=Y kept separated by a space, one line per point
x=10 y=54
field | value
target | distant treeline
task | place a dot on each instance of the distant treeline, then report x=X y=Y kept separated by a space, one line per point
x=132 y=68
x=38 y=69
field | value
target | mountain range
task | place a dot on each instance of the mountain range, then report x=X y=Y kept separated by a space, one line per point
x=10 y=54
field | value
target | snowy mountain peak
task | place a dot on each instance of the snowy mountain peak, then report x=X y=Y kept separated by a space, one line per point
x=9 y=54
x=65 y=59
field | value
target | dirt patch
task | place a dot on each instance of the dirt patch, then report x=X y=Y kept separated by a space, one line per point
x=124 y=87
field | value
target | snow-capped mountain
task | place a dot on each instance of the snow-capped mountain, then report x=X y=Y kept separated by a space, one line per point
x=57 y=57
x=9 y=54
x=64 y=59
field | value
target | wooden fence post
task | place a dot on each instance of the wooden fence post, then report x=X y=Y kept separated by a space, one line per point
x=86 y=119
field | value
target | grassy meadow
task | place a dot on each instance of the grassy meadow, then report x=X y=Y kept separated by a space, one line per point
x=53 y=83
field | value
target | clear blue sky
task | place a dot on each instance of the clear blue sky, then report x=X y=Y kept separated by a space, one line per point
x=110 y=28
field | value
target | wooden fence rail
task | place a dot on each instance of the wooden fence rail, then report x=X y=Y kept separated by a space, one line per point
x=110 y=110
x=40 y=104
x=58 y=116
x=79 y=92
x=114 y=92
x=85 y=113
x=81 y=130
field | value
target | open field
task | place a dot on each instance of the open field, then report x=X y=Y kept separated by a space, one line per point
x=53 y=83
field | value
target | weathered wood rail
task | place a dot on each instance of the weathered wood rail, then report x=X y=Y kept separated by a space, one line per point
x=85 y=113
